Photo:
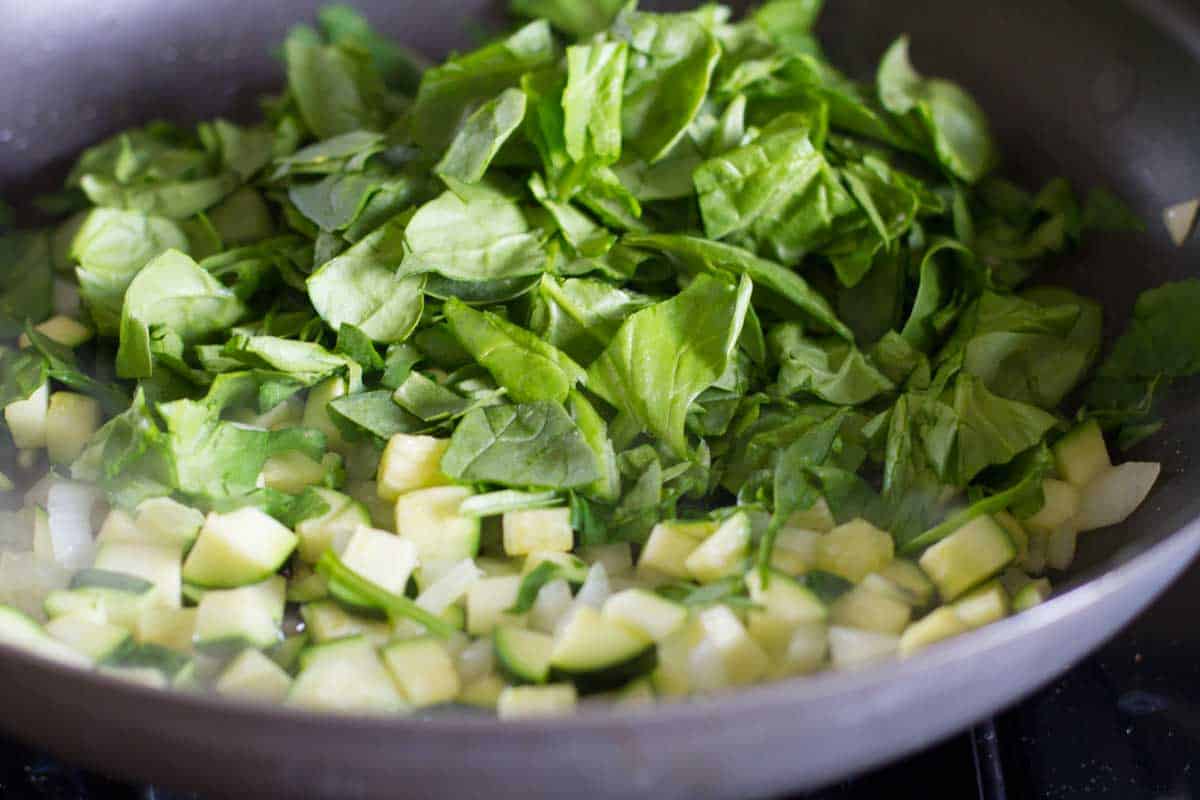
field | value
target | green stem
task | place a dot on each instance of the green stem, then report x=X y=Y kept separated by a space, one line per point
x=333 y=570
x=988 y=505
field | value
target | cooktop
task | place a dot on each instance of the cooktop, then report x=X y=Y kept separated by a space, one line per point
x=1124 y=724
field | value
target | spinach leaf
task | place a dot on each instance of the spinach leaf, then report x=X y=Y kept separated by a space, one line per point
x=172 y=291
x=361 y=288
x=335 y=86
x=111 y=247
x=580 y=315
x=528 y=445
x=450 y=91
x=576 y=17
x=529 y=368
x=481 y=136
x=949 y=117
x=830 y=369
x=372 y=413
x=592 y=101
x=701 y=255
x=474 y=232
x=671 y=62
x=337 y=201
x=399 y=67
x=664 y=356
x=26 y=280
x=1162 y=343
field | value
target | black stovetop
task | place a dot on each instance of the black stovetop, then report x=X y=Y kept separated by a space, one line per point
x=1124 y=724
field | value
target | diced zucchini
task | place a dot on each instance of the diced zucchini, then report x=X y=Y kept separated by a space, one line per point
x=636 y=693
x=982 y=606
x=807 y=650
x=670 y=544
x=572 y=568
x=855 y=550
x=539 y=529
x=317 y=534
x=523 y=656
x=1060 y=546
x=228 y=620
x=316 y=410
x=60 y=328
x=977 y=551
x=1032 y=594
x=254 y=676
x=424 y=671
x=292 y=471
x=26 y=419
x=169 y=521
x=784 y=604
x=1081 y=455
x=430 y=519
x=941 y=623
x=518 y=702
x=346 y=676
x=598 y=654
x=1060 y=506
x=906 y=576
x=326 y=621
x=795 y=550
x=171 y=665
x=98 y=641
x=488 y=602
x=234 y=549
x=120 y=526
x=850 y=648
x=173 y=628
x=71 y=420
x=1017 y=532
x=18 y=630
x=671 y=678
x=385 y=559
x=722 y=553
x=652 y=614
x=117 y=598
x=817 y=518
x=409 y=463
x=158 y=564
x=825 y=585
x=742 y=659
x=868 y=609
x=483 y=692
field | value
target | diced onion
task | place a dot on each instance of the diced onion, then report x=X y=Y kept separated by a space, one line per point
x=69 y=508
x=1112 y=497
x=552 y=604
x=706 y=667
x=453 y=584
x=849 y=648
x=1180 y=220
x=25 y=580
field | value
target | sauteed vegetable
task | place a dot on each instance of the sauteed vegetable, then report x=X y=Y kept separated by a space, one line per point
x=629 y=355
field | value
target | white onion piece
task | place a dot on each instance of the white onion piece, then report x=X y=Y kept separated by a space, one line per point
x=452 y=584
x=552 y=604
x=849 y=648
x=69 y=508
x=1112 y=497
x=595 y=589
x=706 y=667
x=1180 y=220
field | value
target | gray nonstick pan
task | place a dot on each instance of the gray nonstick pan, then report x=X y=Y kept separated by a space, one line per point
x=1102 y=91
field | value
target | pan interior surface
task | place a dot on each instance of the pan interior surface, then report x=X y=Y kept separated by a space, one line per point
x=1099 y=92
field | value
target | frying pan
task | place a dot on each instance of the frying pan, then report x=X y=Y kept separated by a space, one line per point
x=1099 y=90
